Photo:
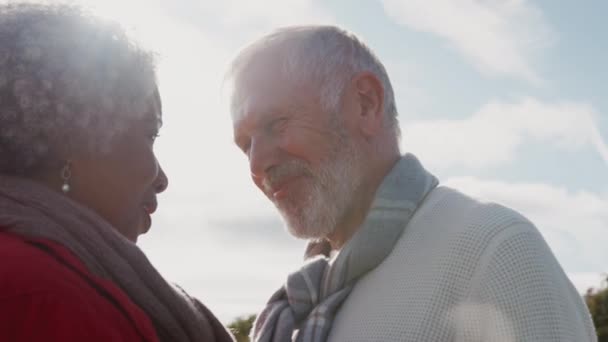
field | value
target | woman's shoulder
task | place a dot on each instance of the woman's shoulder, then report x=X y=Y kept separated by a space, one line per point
x=27 y=268
x=41 y=281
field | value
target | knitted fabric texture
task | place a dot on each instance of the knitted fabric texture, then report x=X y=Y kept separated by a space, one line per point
x=465 y=271
x=304 y=308
x=32 y=210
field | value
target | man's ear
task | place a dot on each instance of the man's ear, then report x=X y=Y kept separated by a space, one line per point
x=369 y=93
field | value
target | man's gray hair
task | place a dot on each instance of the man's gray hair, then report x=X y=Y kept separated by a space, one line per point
x=67 y=81
x=326 y=55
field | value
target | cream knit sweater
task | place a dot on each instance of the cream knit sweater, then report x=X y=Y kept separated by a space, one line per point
x=465 y=271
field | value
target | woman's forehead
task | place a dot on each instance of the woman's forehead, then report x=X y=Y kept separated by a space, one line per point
x=155 y=111
x=154 y=116
x=150 y=116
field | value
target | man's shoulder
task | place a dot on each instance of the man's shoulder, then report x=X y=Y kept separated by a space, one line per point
x=456 y=206
x=455 y=219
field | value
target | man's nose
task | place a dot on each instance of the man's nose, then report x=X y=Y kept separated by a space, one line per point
x=262 y=157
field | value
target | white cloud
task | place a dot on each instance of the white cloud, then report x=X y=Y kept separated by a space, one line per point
x=405 y=78
x=232 y=266
x=598 y=142
x=583 y=281
x=498 y=37
x=246 y=20
x=271 y=13
x=495 y=133
x=573 y=223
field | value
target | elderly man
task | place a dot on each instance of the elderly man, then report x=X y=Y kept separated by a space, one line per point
x=392 y=255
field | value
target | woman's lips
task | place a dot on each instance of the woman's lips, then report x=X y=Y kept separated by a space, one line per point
x=148 y=209
x=147 y=222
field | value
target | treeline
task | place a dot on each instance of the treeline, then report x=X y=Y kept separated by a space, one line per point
x=597 y=301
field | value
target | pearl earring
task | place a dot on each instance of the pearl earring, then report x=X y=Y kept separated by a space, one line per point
x=66 y=174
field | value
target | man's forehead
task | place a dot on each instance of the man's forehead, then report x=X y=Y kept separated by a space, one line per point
x=256 y=96
x=250 y=112
x=249 y=116
x=257 y=99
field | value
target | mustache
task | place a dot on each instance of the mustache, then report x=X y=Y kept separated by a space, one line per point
x=279 y=173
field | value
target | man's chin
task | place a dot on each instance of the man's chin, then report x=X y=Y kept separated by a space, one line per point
x=301 y=234
x=296 y=229
x=304 y=222
x=301 y=230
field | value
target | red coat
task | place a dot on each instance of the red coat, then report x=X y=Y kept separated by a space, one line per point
x=47 y=294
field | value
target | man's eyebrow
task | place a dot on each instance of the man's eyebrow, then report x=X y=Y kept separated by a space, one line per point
x=269 y=115
x=295 y=109
x=241 y=141
x=272 y=114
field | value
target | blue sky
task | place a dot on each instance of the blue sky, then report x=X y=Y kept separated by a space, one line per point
x=504 y=100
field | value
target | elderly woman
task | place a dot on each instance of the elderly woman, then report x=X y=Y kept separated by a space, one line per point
x=79 y=113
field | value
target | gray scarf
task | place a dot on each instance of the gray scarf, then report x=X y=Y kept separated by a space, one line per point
x=304 y=308
x=35 y=211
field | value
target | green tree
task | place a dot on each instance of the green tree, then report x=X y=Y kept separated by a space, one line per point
x=241 y=327
x=597 y=301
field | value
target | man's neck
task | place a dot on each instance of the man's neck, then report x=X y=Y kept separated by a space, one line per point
x=359 y=209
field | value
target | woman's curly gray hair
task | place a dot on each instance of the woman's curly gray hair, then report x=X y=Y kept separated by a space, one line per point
x=68 y=81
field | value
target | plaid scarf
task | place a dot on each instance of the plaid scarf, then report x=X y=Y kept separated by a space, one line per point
x=32 y=210
x=304 y=308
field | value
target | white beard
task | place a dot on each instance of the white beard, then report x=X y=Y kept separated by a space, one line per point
x=330 y=192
